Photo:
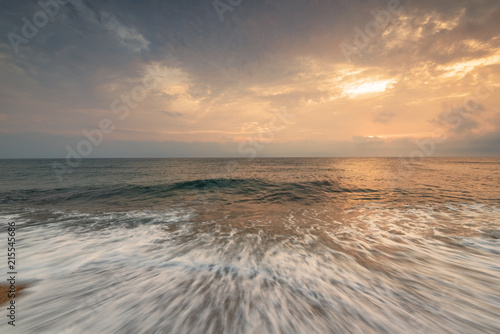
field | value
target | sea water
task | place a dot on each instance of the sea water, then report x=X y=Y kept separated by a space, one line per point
x=254 y=245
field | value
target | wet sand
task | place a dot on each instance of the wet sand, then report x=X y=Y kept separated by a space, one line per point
x=4 y=292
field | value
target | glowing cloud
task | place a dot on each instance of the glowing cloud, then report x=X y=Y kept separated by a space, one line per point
x=367 y=87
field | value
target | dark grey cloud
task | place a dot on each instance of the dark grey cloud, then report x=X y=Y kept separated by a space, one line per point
x=14 y=146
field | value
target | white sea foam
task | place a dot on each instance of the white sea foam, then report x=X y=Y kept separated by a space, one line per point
x=364 y=270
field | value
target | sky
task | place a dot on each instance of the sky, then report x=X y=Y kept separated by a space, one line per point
x=339 y=78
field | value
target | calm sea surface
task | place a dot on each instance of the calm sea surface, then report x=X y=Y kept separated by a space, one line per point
x=255 y=246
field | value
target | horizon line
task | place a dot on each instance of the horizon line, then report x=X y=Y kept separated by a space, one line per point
x=266 y=157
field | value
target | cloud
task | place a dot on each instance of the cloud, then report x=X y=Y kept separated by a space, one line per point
x=172 y=114
x=49 y=146
x=384 y=117
x=219 y=77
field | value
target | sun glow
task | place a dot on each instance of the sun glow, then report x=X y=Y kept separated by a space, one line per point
x=463 y=68
x=367 y=87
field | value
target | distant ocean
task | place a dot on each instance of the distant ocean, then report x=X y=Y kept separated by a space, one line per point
x=255 y=246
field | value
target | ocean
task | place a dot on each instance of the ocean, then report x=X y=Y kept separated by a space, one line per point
x=264 y=245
